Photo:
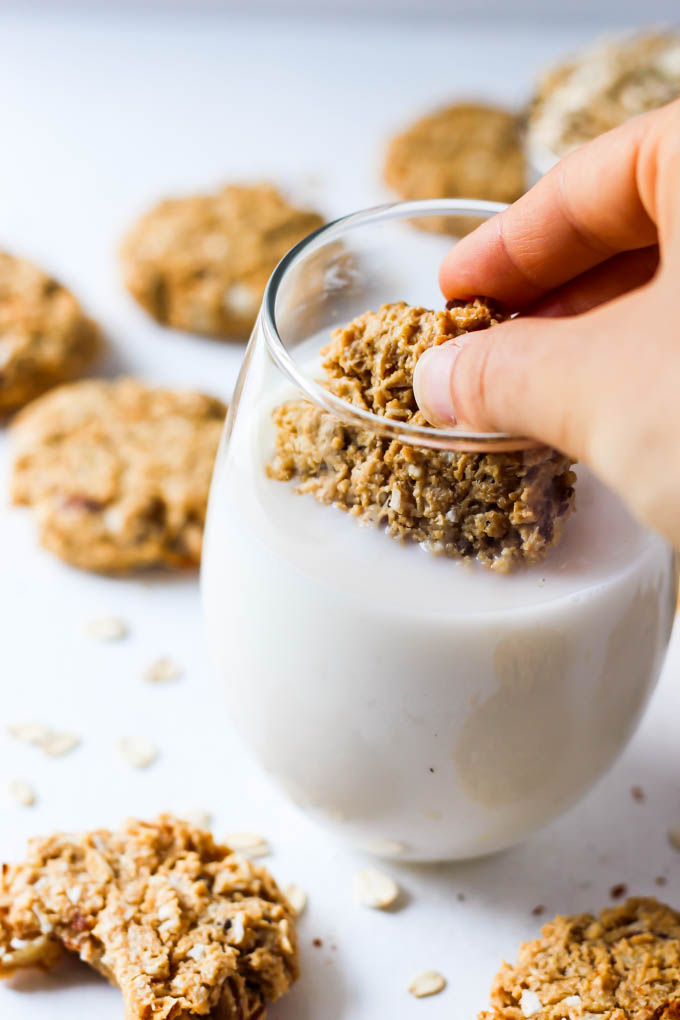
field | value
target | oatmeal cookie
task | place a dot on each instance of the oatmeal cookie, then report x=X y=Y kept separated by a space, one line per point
x=118 y=472
x=182 y=925
x=45 y=338
x=502 y=508
x=603 y=87
x=622 y=965
x=462 y=151
x=201 y=263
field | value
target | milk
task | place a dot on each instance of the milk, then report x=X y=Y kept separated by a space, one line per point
x=422 y=706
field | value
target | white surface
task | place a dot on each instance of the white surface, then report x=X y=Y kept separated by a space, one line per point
x=94 y=123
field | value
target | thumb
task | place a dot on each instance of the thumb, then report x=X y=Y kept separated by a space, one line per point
x=530 y=377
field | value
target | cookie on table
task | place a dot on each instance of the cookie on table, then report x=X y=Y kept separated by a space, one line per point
x=463 y=151
x=118 y=472
x=201 y=263
x=622 y=965
x=45 y=337
x=182 y=925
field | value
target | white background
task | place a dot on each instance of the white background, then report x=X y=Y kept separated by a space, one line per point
x=99 y=117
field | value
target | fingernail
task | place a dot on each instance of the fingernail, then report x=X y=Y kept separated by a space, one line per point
x=432 y=383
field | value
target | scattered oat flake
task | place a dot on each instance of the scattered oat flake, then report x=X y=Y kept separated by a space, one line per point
x=674 y=837
x=249 y=843
x=617 y=891
x=52 y=742
x=107 y=628
x=529 y=1003
x=372 y=888
x=137 y=751
x=56 y=744
x=162 y=671
x=22 y=793
x=30 y=733
x=297 y=897
x=428 y=982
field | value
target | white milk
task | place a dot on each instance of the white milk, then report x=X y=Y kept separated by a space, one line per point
x=424 y=706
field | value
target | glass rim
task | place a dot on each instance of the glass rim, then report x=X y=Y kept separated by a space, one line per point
x=455 y=439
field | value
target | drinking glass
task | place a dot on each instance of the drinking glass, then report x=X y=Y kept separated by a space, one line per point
x=418 y=706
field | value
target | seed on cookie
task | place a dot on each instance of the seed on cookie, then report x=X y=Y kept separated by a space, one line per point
x=23 y=794
x=201 y=263
x=45 y=337
x=297 y=897
x=118 y=473
x=107 y=628
x=428 y=982
x=248 y=843
x=375 y=889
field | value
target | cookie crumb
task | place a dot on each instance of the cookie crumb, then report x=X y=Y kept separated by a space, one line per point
x=617 y=891
x=460 y=897
x=296 y=897
x=638 y=794
x=660 y=880
x=428 y=982
x=161 y=671
x=317 y=943
x=674 y=837
x=538 y=910
x=21 y=792
x=374 y=889
x=107 y=628
x=137 y=751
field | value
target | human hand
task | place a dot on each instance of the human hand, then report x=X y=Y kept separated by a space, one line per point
x=590 y=257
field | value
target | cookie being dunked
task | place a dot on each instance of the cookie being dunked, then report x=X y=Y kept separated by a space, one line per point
x=501 y=508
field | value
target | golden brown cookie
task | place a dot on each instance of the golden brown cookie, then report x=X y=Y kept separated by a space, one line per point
x=45 y=338
x=463 y=151
x=118 y=472
x=201 y=263
x=622 y=965
x=503 y=508
x=183 y=926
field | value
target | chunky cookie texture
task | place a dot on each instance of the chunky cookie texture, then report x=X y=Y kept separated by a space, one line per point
x=182 y=925
x=622 y=965
x=504 y=509
x=201 y=263
x=462 y=151
x=118 y=472
x=45 y=338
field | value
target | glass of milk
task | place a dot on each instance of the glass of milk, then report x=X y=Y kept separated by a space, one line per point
x=418 y=706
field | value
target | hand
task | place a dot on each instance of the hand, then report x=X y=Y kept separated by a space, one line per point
x=590 y=257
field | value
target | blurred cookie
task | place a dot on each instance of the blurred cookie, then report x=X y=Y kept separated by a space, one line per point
x=463 y=151
x=201 y=263
x=622 y=965
x=118 y=472
x=45 y=338
x=601 y=88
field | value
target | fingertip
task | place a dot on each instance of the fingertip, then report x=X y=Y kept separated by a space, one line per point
x=432 y=383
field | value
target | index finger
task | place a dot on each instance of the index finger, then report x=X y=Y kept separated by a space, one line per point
x=586 y=209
